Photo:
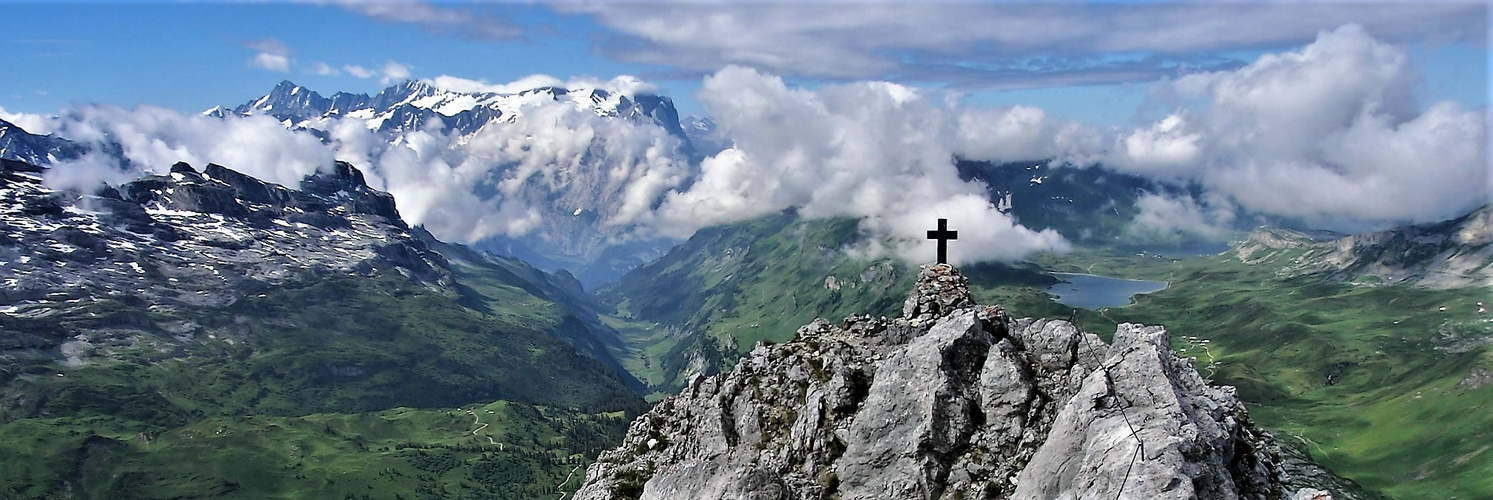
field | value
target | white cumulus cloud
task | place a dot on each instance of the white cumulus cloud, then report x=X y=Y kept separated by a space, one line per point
x=359 y=71
x=1329 y=134
x=394 y=72
x=873 y=151
x=323 y=69
x=1167 y=149
x=1176 y=218
x=271 y=55
x=33 y=123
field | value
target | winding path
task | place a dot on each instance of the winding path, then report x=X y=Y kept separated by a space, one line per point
x=477 y=420
x=1203 y=343
x=567 y=481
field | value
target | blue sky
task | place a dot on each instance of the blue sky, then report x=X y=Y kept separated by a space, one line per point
x=1087 y=62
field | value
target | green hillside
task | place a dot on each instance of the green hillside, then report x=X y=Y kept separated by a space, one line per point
x=365 y=373
x=497 y=450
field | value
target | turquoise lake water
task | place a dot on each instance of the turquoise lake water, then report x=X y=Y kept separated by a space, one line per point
x=1092 y=292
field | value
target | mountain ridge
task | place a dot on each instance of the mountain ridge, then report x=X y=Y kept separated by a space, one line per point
x=1455 y=253
x=19 y=145
x=407 y=106
x=145 y=326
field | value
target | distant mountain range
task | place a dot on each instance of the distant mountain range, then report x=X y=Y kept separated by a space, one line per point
x=1456 y=253
x=20 y=145
x=571 y=234
x=411 y=105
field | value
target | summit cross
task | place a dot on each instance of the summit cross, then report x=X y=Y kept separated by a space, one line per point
x=943 y=235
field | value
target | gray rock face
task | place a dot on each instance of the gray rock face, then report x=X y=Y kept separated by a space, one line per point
x=955 y=400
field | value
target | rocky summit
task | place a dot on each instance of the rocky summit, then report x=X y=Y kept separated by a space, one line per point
x=953 y=400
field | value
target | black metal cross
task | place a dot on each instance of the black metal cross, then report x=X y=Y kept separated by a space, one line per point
x=943 y=235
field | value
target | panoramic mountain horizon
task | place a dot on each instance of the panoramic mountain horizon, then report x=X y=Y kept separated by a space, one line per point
x=809 y=250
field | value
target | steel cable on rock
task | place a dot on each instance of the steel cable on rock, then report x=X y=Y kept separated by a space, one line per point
x=1141 y=443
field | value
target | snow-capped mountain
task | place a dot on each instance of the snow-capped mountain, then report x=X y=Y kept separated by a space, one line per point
x=580 y=163
x=410 y=105
x=18 y=144
x=211 y=238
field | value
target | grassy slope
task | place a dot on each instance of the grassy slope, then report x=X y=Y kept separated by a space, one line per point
x=332 y=349
x=396 y=453
x=1365 y=377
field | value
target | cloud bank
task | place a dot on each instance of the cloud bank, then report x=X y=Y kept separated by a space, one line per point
x=151 y=139
x=511 y=179
x=875 y=151
x=1176 y=219
x=993 y=46
x=1329 y=133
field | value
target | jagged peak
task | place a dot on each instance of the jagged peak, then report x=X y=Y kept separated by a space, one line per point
x=411 y=89
x=216 y=112
x=287 y=86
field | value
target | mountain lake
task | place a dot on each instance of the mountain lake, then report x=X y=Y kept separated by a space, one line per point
x=1094 y=292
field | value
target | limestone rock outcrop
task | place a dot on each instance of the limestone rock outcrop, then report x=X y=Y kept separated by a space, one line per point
x=954 y=401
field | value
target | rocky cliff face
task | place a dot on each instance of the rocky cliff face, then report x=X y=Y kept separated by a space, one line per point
x=953 y=400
